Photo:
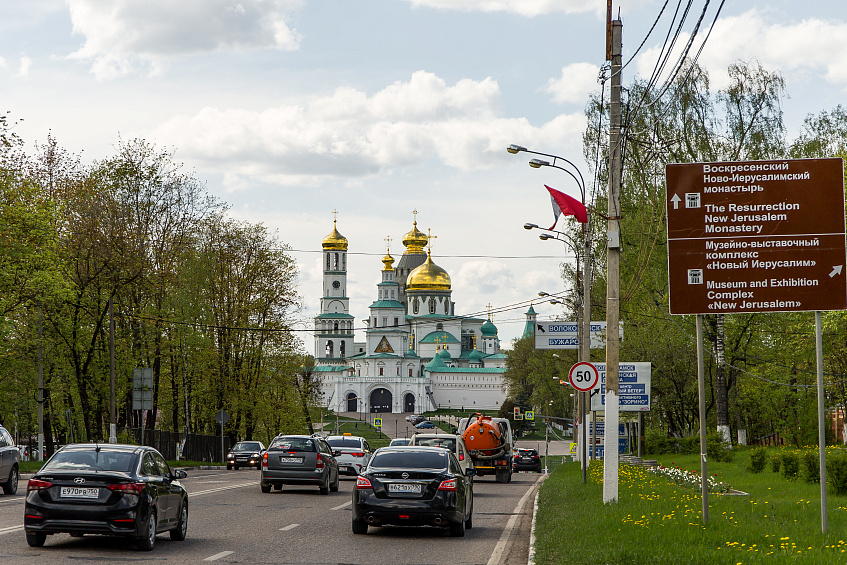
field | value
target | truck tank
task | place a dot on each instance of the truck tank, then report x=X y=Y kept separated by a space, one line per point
x=485 y=437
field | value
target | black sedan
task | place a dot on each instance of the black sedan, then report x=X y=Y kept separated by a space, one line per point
x=527 y=460
x=118 y=490
x=413 y=486
x=245 y=454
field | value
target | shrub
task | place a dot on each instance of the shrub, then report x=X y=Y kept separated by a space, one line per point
x=836 y=473
x=775 y=461
x=790 y=464
x=758 y=460
x=716 y=449
x=811 y=466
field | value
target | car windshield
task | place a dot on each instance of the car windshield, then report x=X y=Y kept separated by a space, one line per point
x=247 y=446
x=445 y=442
x=293 y=444
x=91 y=461
x=345 y=442
x=410 y=460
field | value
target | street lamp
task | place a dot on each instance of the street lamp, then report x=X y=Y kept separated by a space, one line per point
x=585 y=285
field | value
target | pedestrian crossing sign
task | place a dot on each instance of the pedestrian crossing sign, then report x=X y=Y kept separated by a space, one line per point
x=378 y=422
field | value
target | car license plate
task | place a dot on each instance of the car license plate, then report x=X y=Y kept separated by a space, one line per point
x=76 y=492
x=527 y=460
x=290 y=459
x=404 y=487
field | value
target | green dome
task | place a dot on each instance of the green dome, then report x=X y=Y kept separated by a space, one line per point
x=488 y=329
x=445 y=355
x=436 y=364
x=475 y=356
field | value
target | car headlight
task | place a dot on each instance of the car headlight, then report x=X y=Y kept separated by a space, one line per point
x=229 y=455
x=255 y=455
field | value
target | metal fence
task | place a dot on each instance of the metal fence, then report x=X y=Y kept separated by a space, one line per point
x=196 y=447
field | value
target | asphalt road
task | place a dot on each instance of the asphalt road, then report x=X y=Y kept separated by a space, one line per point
x=231 y=521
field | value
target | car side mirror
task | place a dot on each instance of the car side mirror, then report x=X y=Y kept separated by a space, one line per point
x=470 y=472
x=179 y=474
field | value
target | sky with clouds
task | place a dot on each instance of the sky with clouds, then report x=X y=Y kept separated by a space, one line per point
x=290 y=109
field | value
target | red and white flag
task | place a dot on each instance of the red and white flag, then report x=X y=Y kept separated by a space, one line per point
x=566 y=205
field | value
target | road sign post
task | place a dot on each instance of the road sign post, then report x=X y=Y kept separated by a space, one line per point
x=757 y=236
x=222 y=418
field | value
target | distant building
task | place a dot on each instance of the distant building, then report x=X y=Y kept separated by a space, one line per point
x=418 y=354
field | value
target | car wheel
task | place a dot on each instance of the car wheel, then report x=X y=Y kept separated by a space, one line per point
x=266 y=488
x=359 y=527
x=229 y=467
x=469 y=521
x=149 y=540
x=457 y=529
x=35 y=540
x=334 y=486
x=11 y=486
x=181 y=530
x=325 y=488
x=236 y=467
x=501 y=477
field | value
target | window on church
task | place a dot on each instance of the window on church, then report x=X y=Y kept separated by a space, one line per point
x=327 y=261
x=439 y=326
x=410 y=371
x=335 y=327
x=335 y=265
x=432 y=306
x=380 y=371
x=396 y=322
x=329 y=348
x=375 y=322
x=398 y=371
x=415 y=306
x=392 y=295
x=341 y=348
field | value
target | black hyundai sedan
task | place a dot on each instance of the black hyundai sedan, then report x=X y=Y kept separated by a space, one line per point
x=413 y=486
x=118 y=490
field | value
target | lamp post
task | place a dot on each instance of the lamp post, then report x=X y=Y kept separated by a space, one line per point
x=338 y=405
x=585 y=326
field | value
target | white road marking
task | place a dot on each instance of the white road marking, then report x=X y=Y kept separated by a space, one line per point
x=11 y=529
x=288 y=527
x=497 y=554
x=217 y=556
x=345 y=505
x=218 y=489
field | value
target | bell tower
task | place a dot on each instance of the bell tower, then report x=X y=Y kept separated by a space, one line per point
x=334 y=325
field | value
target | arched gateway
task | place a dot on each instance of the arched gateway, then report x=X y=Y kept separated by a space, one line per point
x=380 y=400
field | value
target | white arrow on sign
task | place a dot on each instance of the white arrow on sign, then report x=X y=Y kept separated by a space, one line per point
x=676 y=200
x=836 y=270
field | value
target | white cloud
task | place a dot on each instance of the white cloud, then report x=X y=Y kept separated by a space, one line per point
x=351 y=134
x=483 y=277
x=527 y=8
x=575 y=84
x=804 y=45
x=122 y=36
x=25 y=64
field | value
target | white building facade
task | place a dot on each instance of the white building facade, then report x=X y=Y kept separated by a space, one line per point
x=418 y=354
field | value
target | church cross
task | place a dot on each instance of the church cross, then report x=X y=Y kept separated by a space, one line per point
x=335 y=216
x=429 y=238
x=388 y=241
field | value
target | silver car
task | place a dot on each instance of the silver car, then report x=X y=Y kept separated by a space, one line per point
x=451 y=442
x=10 y=462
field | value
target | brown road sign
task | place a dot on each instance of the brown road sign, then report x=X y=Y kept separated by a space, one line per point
x=760 y=236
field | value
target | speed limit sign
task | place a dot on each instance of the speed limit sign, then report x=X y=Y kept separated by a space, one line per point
x=584 y=376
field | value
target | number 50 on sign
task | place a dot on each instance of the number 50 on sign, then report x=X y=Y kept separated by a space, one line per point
x=584 y=376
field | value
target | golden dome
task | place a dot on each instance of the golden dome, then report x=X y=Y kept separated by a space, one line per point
x=428 y=276
x=335 y=241
x=388 y=261
x=415 y=240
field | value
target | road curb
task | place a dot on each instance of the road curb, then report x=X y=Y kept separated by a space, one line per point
x=531 y=558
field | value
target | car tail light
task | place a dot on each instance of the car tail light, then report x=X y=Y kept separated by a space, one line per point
x=461 y=457
x=265 y=461
x=319 y=464
x=359 y=454
x=38 y=484
x=449 y=484
x=127 y=488
x=363 y=483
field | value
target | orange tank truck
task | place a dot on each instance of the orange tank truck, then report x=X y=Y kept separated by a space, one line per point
x=489 y=443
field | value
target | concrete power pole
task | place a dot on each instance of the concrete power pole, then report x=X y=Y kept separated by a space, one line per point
x=613 y=273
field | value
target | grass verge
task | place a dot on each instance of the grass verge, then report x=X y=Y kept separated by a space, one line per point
x=656 y=522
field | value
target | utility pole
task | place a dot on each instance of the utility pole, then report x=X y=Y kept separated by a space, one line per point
x=613 y=273
x=40 y=384
x=585 y=340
